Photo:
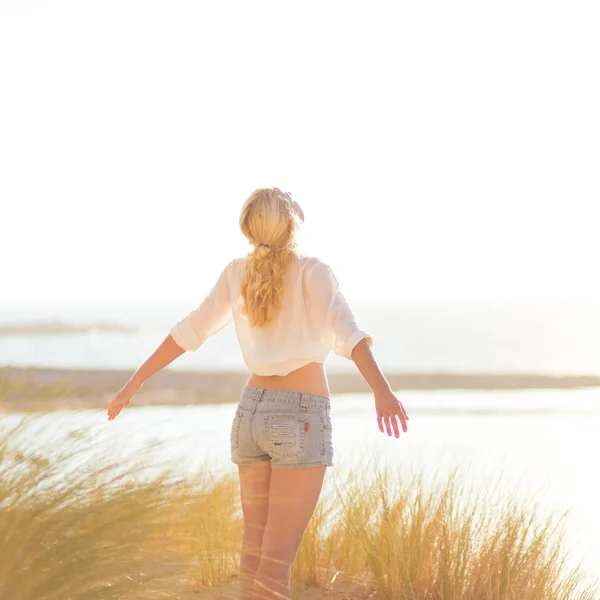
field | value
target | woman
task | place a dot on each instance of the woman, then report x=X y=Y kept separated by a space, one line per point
x=289 y=313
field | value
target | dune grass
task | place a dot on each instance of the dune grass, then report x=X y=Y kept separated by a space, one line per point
x=405 y=539
x=76 y=526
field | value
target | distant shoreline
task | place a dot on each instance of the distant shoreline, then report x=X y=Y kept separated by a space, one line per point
x=59 y=328
x=38 y=388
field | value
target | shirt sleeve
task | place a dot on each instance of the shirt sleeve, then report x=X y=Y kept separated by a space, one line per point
x=331 y=313
x=213 y=314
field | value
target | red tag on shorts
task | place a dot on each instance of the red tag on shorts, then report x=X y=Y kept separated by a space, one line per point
x=305 y=425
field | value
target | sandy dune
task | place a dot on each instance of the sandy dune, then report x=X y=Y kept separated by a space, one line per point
x=23 y=388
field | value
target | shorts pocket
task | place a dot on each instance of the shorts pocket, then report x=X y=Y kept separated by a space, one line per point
x=286 y=434
x=234 y=437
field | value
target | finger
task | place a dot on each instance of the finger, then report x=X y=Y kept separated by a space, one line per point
x=405 y=413
x=395 y=425
x=380 y=422
x=387 y=425
x=403 y=422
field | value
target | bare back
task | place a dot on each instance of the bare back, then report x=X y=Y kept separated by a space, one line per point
x=310 y=378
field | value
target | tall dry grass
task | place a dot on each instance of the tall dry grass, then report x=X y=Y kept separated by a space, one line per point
x=405 y=539
x=77 y=525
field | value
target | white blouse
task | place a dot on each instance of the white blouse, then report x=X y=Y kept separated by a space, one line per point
x=314 y=319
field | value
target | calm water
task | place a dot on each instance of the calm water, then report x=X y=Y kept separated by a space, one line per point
x=545 y=443
x=542 y=337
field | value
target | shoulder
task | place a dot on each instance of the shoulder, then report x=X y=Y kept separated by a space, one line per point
x=317 y=270
x=231 y=269
x=309 y=263
x=309 y=260
x=235 y=263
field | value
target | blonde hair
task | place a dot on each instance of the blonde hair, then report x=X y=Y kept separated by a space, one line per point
x=267 y=217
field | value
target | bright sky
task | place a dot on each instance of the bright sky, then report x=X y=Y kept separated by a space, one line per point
x=438 y=149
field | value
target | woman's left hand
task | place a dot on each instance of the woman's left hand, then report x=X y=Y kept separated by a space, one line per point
x=123 y=398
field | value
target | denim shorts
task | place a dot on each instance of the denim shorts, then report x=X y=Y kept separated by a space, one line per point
x=285 y=427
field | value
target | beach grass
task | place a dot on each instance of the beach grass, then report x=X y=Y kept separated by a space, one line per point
x=78 y=521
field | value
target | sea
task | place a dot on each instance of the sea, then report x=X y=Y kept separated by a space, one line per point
x=543 y=445
x=549 y=336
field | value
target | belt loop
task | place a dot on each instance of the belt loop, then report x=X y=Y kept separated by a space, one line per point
x=257 y=400
x=304 y=401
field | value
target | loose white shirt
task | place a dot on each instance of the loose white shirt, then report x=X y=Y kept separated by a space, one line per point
x=314 y=319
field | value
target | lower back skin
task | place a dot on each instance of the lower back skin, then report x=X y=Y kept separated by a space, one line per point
x=310 y=378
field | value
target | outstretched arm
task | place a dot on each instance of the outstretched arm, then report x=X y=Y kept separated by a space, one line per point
x=188 y=334
x=387 y=406
x=164 y=355
x=337 y=322
x=365 y=362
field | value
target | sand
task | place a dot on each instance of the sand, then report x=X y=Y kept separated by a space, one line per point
x=26 y=388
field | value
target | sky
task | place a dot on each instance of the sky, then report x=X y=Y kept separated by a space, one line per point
x=438 y=149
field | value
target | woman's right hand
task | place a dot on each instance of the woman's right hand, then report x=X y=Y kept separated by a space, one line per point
x=388 y=407
x=123 y=398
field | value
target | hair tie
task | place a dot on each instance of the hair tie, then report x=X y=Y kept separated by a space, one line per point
x=266 y=245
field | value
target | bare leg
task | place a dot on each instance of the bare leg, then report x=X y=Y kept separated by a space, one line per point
x=254 y=491
x=293 y=496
